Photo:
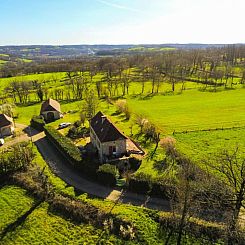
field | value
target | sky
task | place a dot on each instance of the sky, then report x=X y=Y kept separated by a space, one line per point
x=58 y=22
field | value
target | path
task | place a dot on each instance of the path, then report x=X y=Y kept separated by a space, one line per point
x=64 y=170
x=17 y=139
x=61 y=167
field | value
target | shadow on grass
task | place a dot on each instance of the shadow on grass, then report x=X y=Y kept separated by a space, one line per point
x=13 y=226
x=159 y=165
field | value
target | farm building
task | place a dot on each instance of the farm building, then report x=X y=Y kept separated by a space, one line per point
x=106 y=138
x=50 y=110
x=6 y=125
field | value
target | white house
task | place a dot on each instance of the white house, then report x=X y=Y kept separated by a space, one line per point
x=50 y=110
x=104 y=136
x=6 y=125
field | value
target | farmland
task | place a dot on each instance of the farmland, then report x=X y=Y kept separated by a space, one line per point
x=42 y=225
x=198 y=104
x=193 y=110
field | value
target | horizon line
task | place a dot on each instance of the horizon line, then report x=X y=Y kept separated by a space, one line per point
x=108 y=44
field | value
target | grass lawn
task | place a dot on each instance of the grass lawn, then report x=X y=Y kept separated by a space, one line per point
x=13 y=203
x=44 y=77
x=193 y=110
x=204 y=145
x=45 y=227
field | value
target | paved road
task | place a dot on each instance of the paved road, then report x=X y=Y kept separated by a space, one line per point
x=20 y=138
x=63 y=169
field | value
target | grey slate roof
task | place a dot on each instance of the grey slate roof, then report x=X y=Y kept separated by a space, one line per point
x=50 y=105
x=104 y=129
x=5 y=120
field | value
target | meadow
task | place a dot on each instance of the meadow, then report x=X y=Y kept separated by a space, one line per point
x=192 y=110
x=182 y=113
x=47 y=226
x=43 y=225
x=13 y=203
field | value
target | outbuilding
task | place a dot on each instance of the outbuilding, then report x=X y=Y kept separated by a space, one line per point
x=6 y=125
x=50 y=110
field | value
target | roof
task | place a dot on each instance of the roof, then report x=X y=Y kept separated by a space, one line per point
x=5 y=120
x=50 y=105
x=104 y=129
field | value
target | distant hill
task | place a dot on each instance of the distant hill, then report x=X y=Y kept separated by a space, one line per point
x=54 y=51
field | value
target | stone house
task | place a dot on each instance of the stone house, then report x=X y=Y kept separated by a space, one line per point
x=6 y=125
x=106 y=138
x=50 y=110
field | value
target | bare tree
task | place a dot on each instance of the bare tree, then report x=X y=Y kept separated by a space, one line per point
x=231 y=166
x=90 y=104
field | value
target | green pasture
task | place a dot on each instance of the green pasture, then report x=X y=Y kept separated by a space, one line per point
x=4 y=55
x=2 y=62
x=47 y=79
x=14 y=202
x=203 y=145
x=192 y=110
x=45 y=227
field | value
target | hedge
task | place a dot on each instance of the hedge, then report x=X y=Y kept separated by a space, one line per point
x=107 y=174
x=140 y=183
x=134 y=163
x=64 y=144
x=214 y=232
x=38 y=123
x=161 y=190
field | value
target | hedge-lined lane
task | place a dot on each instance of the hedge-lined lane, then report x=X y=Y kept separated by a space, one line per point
x=67 y=173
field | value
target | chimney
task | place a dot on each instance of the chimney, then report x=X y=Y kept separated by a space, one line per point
x=103 y=118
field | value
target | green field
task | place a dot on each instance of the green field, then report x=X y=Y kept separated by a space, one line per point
x=46 y=78
x=200 y=146
x=193 y=110
x=42 y=226
x=13 y=203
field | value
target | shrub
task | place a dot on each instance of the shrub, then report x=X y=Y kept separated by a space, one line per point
x=134 y=163
x=77 y=124
x=122 y=107
x=140 y=183
x=107 y=174
x=160 y=190
x=64 y=144
x=78 y=132
x=16 y=158
x=38 y=123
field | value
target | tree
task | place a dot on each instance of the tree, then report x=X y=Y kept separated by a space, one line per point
x=90 y=104
x=82 y=118
x=183 y=196
x=232 y=168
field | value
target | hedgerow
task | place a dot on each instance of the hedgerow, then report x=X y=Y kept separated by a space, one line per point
x=107 y=174
x=64 y=145
x=38 y=123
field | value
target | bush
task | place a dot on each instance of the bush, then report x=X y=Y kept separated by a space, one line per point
x=122 y=107
x=107 y=174
x=78 y=132
x=134 y=163
x=140 y=183
x=160 y=190
x=38 y=123
x=64 y=144
x=15 y=158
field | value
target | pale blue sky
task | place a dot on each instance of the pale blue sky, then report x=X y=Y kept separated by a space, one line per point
x=121 y=21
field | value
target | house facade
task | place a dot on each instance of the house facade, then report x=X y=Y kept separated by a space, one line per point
x=6 y=125
x=50 y=110
x=106 y=138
